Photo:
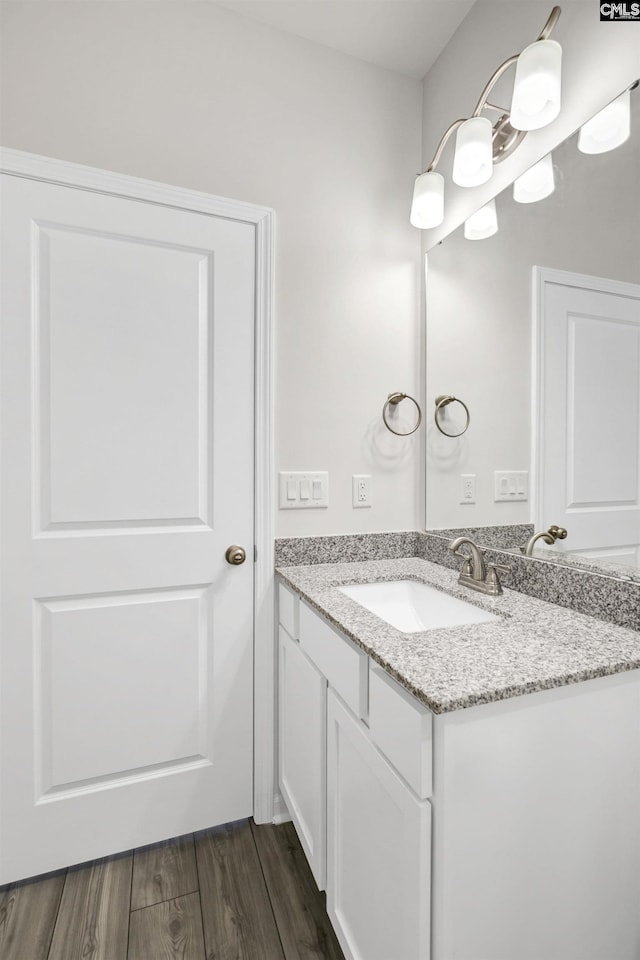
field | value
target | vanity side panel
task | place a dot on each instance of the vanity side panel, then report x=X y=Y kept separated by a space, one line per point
x=302 y=741
x=536 y=834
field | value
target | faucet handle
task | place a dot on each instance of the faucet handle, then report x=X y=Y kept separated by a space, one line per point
x=492 y=576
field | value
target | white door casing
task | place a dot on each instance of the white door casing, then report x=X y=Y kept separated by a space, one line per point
x=586 y=409
x=127 y=402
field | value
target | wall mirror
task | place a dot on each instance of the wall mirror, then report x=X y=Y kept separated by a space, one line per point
x=537 y=329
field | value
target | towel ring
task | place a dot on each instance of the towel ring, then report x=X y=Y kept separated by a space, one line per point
x=442 y=402
x=394 y=399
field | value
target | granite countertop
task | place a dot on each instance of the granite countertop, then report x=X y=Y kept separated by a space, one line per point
x=537 y=646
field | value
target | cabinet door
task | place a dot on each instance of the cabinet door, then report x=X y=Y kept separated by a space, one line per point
x=302 y=705
x=378 y=849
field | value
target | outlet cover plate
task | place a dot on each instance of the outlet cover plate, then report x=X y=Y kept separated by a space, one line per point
x=361 y=490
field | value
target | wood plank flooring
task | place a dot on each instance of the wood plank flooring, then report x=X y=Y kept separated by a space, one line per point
x=236 y=892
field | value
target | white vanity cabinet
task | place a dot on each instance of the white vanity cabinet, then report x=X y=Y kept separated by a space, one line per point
x=364 y=827
x=502 y=831
x=302 y=737
x=378 y=848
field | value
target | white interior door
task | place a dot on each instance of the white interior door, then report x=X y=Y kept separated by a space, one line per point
x=127 y=470
x=588 y=445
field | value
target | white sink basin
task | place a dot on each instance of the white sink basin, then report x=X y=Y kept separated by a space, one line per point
x=410 y=606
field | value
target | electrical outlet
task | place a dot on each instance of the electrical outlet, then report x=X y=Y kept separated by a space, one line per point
x=361 y=490
x=468 y=488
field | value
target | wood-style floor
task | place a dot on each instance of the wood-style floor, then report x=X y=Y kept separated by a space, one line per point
x=236 y=892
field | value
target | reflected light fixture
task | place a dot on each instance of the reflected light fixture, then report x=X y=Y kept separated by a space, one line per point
x=479 y=143
x=483 y=223
x=609 y=128
x=536 y=183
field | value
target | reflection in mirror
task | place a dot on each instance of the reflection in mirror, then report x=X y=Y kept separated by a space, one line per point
x=538 y=328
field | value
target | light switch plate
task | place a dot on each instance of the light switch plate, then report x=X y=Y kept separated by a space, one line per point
x=304 y=490
x=511 y=485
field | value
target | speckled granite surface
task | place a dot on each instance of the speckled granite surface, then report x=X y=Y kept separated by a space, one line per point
x=607 y=568
x=290 y=551
x=585 y=591
x=537 y=647
x=592 y=591
x=503 y=537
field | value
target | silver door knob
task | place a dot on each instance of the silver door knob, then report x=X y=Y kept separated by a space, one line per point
x=235 y=555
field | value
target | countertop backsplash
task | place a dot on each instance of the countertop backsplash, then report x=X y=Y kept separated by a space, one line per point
x=609 y=598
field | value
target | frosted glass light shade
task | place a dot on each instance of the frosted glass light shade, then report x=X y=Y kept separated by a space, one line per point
x=427 y=208
x=473 y=159
x=536 y=88
x=536 y=183
x=483 y=223
x=609 y=128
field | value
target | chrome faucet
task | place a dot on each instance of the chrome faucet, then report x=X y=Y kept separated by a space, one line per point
x=549 y=536
x=475 y=573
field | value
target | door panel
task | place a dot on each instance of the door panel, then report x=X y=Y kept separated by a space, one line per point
x=112 y=642
x=133 y=344
x=127 y=470
x=589 y=441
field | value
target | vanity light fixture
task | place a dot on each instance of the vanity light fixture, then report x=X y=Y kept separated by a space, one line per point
x=609 y=128
x=473 y=157
x=536 y=183
x=483 y=223
x=479 y=143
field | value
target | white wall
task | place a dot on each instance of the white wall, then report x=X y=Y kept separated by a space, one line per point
x=598 y=61
x=479 y=316
x=194 y=95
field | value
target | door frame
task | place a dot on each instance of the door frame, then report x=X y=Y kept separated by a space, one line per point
x=65 y=173
x=542 y=278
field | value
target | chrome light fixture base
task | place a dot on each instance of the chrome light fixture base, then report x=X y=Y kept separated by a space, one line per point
x=505 y=137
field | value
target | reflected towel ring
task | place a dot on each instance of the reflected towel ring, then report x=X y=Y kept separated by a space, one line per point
x=394 y=399
x=444 y=401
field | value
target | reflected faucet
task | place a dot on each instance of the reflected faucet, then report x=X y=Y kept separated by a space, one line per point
x=475 y=573
x=549 y=536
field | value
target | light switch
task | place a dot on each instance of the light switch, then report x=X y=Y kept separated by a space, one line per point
x=511 y=485
x=303 y=490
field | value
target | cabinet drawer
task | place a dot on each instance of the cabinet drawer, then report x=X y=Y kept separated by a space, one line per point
x=400 y=727
x=337 y=658
x=288 y=610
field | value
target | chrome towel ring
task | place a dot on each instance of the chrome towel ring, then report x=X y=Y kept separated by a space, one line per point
x=442 y=402
x=394 y=399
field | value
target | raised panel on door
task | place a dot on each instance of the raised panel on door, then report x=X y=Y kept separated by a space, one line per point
x=378 y=849
x=125 y=382
x=98 y=721
x=127 y=445
x=302 y=701
x=589 y=435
